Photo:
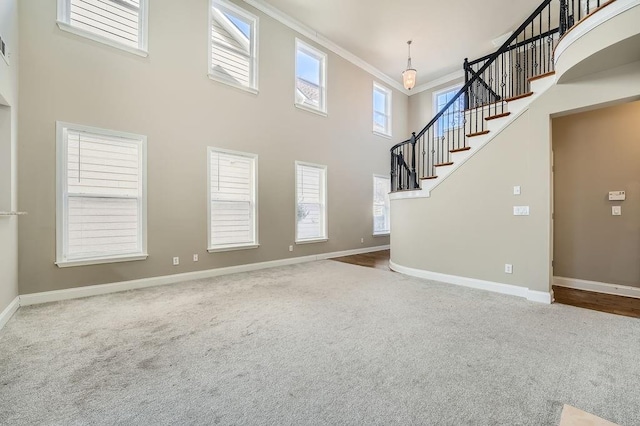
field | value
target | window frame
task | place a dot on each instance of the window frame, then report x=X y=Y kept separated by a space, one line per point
x=322 y=57
x=387 y=206
x=254 y=202
x=325 y=211
x=62 y=195
x=64 y=23
x=388 y=112
x=455 y=88
x=253 y=45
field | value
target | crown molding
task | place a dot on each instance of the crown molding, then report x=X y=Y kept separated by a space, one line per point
x=313 y=35
x=445 y=79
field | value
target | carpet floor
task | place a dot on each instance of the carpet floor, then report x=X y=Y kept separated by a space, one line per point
x=322 y=343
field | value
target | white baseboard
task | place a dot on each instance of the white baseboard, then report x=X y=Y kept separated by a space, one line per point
x=8 y=312
x=94 y=290
x=615 y=289
x=513 y=290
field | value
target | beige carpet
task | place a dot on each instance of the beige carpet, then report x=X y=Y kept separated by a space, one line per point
x=323 y=343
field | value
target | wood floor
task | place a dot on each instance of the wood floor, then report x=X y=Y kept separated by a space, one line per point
x=378 y=259
x=619 y=305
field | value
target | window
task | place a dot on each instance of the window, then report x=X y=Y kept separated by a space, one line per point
x=381 y=110
x=453 y=118
x=311 y=202
x=232 y=200
x=118 y=23
x=101 y=199
x=233 y=46
x=311 y=78
x=381 y=205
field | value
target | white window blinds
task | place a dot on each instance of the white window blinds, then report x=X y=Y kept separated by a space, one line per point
x=381 y=205
x=119 y=21
x=232 y=183
x=311 y=193
x=233 y=45
x=102 y=195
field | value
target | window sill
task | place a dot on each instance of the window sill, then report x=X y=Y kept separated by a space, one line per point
x=232 y=84
x=311 y=109
x=382 y=135
x=232 y=248
x=317 y=240
x=100 y=260
x=384 y=234
x=95 y=37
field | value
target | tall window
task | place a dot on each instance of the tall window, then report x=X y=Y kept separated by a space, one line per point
x=119 y=23
x=381 y=110
x=453 y=118
x=233 y=53
x=101 y=198
x=381 y=205
x=311 y=202
x=232 y=200
x=311 y=78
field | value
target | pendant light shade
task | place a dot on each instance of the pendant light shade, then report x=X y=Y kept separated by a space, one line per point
x=409 y=76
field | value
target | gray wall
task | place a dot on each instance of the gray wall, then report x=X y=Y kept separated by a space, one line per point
x=596 y=152
x=8 y=144
x=169 y=98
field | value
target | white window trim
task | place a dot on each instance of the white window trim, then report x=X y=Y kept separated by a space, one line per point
x=61 y=179
x=388 y=110
x=63 y=21
x=325 y=237
x=323 y=57
x=455 y=87
x=388 y=233
x=254 y=89
x=232 y=247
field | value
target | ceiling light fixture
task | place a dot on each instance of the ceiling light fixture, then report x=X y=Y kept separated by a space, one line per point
x=409 y=75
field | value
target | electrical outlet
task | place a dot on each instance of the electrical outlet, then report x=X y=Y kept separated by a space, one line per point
x=290 y=248
x=616 y=210
x=521 y=210
x=361 y=240
x=508 y=269
x=176 y=261
x=195 y=257
x=517 y=190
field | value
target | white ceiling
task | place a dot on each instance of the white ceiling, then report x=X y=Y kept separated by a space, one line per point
x=443 y=32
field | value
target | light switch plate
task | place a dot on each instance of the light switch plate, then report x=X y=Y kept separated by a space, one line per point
x=616 y=210
x=521 y=210
x=617 y=196
x=508 y=268
x=517 y=190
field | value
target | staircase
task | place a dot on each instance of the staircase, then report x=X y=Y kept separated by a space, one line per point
x=497 y=89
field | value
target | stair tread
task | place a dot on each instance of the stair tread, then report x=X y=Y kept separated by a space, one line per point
x=428 y=177
x=471 y=135
x=443 y=164
x=515 y=98
x=466 y=148
x=494 y=117
x=538 y=77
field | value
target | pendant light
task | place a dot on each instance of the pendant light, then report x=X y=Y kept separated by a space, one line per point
x=410 y=74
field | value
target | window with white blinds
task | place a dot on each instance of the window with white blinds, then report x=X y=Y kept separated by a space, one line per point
x=381 y=205
x=233 y=45
x=311 y=202
x=101 y=202
x=232 y=200
x=120 y=23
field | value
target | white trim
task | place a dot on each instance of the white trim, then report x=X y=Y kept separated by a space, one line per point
x=8 y=312
x=311 y=34
x=387 y=205
x=310 y=109
x=592 y=21
x=382 y=135
x=233 y=248
x=512 y=290
x=100 y=260
x=322 y=57
x=95 y=290
x=232 y=84
x=324 y=190
x=456 y=75
x=598 y=287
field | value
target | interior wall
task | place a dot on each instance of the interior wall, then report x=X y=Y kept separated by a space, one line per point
x=169 y=98
x=596 y=152
x=8 y=144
